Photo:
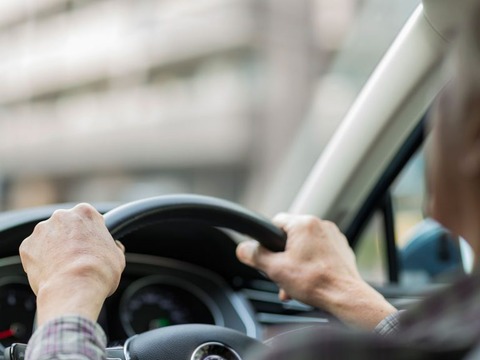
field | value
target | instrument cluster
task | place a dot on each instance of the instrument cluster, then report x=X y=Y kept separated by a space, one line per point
x=158 y=301
x=154 y=292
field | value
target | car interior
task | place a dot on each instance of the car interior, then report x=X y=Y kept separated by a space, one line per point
x=181 y=265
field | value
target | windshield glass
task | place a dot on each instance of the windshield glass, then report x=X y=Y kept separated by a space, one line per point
x=106 y=100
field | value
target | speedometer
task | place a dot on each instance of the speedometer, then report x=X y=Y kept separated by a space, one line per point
x=156 y=302
x=17 y=311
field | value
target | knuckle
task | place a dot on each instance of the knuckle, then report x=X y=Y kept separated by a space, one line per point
x=39 y=227
x=86 y=210
x=311 y=222
x=329 y=224
x=57 y=214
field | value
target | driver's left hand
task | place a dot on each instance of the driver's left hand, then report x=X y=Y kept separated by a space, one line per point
x=72 y=263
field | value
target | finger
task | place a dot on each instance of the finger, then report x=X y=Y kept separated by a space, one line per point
x=253 y=254
x=283 y=296
x=282 y=219
x=120 y=245
x=22 y=250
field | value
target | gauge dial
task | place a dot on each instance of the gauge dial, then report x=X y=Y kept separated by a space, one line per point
x=17 y=311
x=158 y=302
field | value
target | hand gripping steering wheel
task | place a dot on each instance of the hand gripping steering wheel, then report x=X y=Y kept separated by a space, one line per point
x=191 y=341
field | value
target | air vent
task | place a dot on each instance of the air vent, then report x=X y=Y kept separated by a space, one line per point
x=263 y=295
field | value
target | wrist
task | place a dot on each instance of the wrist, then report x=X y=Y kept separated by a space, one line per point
x=56 y=299
x=359 y=305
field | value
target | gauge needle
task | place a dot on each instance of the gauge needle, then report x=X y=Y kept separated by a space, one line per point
x=6 y=334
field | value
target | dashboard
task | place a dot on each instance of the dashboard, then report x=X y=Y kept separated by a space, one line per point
x=154 y=292
x=177 y=272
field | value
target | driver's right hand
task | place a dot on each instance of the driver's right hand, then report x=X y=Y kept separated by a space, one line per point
x=318 y=267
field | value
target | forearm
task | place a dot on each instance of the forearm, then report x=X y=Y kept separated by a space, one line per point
x=356 y=304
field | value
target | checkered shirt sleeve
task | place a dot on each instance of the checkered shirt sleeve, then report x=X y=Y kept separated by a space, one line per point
x=390 y=325
x=67 y=338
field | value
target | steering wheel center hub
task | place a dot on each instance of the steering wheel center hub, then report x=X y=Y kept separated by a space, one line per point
x=214 y=351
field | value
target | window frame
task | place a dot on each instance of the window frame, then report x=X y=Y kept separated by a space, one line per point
x=380 y=200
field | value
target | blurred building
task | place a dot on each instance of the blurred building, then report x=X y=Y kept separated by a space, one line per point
x=117 y=99
x=121 y=99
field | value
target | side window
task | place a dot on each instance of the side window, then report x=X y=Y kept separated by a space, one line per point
x=370 y=251
x=400 y=244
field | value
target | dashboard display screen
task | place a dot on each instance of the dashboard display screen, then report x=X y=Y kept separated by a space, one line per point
x=155 y=304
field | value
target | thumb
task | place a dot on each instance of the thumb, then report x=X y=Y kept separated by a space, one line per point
x=253 y=254
x=283 y=295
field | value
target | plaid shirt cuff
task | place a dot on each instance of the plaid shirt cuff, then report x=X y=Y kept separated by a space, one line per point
x=389 y=325
x=67 y=338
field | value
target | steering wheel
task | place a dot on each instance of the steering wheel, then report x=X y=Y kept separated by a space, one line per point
x=191 y=341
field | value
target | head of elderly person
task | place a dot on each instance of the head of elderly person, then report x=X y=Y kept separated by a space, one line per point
x=454 y=149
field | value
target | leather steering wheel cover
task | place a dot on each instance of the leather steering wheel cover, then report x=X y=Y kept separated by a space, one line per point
x=180 y=342
x=203 y=209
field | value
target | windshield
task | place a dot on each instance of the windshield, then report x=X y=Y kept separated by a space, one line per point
x=105 y=100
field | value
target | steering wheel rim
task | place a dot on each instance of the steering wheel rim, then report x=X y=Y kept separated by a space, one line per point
x=192 y=341
x=203 y=209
